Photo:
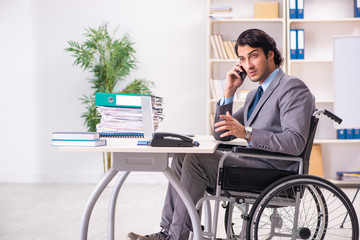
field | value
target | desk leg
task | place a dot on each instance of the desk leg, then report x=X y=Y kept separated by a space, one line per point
x=190 y=206
x=112 y=205
x=91 y=202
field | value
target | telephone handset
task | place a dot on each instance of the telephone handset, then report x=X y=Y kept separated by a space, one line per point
x=165 y=139
x=242 y=74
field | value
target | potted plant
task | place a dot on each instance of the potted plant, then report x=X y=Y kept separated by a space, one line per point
x=111 y=61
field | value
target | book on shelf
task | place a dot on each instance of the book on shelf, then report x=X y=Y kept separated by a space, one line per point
x=78 y=143
x=230 y=50
x=221 y=15
x=212 y=121
x=220 y=12
x=214 y=47
x=220 y=8
x=222 y=49
x=348 y=176
x=220 y=46
x=76 y=135
x=128 y=115
x=217 y=90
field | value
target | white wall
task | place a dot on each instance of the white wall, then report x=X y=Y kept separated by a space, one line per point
x=40 y=89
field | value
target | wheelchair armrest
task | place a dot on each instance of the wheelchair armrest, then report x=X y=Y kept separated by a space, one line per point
x=250 y=152
x=245 y=149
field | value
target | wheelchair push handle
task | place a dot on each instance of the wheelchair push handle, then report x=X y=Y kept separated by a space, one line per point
x=328 y=114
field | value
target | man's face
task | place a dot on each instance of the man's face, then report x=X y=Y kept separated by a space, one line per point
x=257 y=65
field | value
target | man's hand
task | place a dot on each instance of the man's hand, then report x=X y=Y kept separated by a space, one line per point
x=233 y=80
x=233 y=126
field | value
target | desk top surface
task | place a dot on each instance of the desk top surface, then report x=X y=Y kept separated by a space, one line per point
x=207 y=145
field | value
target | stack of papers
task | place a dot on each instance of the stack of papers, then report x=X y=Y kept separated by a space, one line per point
x=117 y=119
x=128 y=115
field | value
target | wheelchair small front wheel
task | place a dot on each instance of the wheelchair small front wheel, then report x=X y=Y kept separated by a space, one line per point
x=302 y=207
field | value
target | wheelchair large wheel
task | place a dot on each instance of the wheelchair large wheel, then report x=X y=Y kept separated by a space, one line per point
x=302 y=207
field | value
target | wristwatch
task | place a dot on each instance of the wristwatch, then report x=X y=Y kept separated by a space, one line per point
x=248 y=131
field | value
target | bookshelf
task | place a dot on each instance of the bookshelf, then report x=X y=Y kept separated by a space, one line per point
x=320 y=25
x=316 y=69
x=229 y=29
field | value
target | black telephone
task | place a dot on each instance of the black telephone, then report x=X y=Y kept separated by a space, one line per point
x=165 y=139
x=242 y=74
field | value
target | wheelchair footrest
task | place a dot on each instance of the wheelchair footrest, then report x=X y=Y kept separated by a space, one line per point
x=250 y=179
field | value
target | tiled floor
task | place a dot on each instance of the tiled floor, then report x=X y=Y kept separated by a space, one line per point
x=53 y=211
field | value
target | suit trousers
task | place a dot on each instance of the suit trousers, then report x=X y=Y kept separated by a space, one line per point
x=197 y=172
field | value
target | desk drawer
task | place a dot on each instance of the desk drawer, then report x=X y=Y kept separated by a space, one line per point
x=149 y=162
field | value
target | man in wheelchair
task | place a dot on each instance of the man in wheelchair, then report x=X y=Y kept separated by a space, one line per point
x=275 y=117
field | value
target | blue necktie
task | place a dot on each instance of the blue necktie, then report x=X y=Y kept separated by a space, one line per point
x=256 y=100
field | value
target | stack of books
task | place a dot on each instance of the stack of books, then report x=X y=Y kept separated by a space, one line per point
x=77 y=139
x=221 y=12
x=222 y=49
x=128 y=115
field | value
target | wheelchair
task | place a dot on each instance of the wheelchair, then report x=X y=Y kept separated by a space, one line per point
x=278 y=204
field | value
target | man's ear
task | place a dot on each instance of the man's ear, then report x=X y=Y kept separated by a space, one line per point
x=271 y=55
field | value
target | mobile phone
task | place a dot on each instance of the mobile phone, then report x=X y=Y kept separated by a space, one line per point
x=242 y=74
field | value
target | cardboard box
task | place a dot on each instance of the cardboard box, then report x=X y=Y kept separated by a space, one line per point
x=316 y=163
x=266 y=10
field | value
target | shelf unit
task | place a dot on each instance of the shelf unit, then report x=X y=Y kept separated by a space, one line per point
x=242 y=20
x=320 y=24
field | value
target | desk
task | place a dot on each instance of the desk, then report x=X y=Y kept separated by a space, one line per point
x=127 y=157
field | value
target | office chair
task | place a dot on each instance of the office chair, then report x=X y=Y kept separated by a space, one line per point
x=279 y=204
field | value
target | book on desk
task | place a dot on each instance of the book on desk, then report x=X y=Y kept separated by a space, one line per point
x=77 y=139
x=78 y=143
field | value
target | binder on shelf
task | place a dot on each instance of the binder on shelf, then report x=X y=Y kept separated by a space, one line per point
x=292 y=9
x=300 y=9
x=356 y=8
x=357 y=133
x=341 y=134
x=349 y=133
x=293 y=44
x=300 y=43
